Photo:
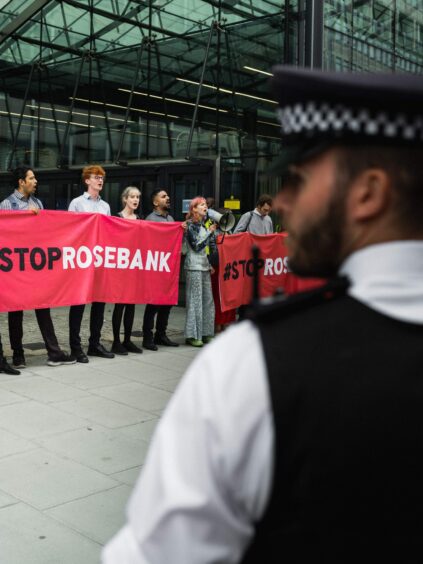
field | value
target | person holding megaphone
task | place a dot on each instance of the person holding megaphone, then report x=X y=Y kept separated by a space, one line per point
x=199 y=325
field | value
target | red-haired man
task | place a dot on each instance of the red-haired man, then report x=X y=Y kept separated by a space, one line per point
x=91 y=202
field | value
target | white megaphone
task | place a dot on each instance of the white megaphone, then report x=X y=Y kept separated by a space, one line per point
x=225 y=221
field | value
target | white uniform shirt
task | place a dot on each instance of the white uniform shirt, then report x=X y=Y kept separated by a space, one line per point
x=208 y=477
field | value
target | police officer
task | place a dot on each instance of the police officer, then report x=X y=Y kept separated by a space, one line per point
x=298 y=436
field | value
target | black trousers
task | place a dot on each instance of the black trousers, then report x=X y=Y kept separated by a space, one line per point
x=45 y=324
x=163 y=312
x=96 y=323
x=128 y=313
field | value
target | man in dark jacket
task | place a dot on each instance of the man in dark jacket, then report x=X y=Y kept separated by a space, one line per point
x=161 y=206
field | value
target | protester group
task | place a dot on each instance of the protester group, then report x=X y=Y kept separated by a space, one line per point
x=203 y=313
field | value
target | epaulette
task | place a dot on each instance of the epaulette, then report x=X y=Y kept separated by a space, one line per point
x=282 y=306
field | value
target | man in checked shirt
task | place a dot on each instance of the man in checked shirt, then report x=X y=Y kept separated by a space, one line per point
x=23 y=199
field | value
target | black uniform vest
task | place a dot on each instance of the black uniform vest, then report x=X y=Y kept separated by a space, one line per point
x=346 y=385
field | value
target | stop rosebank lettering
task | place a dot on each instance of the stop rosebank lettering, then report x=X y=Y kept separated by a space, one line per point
x=37 y=258
x=242 y=268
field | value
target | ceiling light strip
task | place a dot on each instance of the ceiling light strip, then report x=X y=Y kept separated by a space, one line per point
x=45 y=119
x=173 y=100
x=252 y=69
x=46 y=108
x=228 y=91
x=123 y=107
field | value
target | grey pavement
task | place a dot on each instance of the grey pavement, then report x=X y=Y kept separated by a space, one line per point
x=73 y=440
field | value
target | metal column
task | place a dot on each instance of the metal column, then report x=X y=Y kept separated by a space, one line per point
x=313 y=47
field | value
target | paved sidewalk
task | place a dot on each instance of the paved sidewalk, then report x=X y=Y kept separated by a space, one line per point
x=73 y=440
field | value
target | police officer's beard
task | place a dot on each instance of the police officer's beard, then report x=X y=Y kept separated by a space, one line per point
x=318 y=248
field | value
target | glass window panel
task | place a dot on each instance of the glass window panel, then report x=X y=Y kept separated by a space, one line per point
x=380 y=35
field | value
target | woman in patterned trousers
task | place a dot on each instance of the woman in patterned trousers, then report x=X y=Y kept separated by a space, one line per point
x=199 y=325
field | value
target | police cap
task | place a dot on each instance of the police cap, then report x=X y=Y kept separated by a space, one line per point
x=320 y=109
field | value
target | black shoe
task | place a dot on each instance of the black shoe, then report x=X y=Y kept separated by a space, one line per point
x=100 y=351
x=118 y=348
x=150 y=346
x=80 y=356
x=131 y=347
x=19 y=360
x=60 y=359
x=6 y=368
x=164 y=340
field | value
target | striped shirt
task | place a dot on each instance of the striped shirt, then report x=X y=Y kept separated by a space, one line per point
x=86 y=203
x=18 y=202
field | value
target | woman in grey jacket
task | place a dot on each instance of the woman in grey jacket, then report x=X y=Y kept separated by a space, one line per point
x=199 y=325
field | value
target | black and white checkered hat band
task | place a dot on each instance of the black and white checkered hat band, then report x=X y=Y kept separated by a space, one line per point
x=340 y=120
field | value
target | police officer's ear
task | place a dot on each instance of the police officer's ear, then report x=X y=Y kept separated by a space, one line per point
x=370 y=195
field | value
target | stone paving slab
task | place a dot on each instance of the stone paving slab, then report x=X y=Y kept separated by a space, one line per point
x=12 y=444
x=31 y=537
x=9 y=398
x=124 y=366
x=137 y=395
x=128 y=477
x=151 y=374
x=41 y=389
x=166 y=359
x=105 y=450
x=168 y=385
x=6 y=500
x=141 y=431
x=32 y=419
x=95 y=516
x=104 y=411
x=84 y=377
x=43 y=479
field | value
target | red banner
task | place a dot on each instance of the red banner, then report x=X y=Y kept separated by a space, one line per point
x=236 y=269
x=60 y=258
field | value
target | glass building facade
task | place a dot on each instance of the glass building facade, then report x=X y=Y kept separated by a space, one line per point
x=173 y=93
x=374 y=36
